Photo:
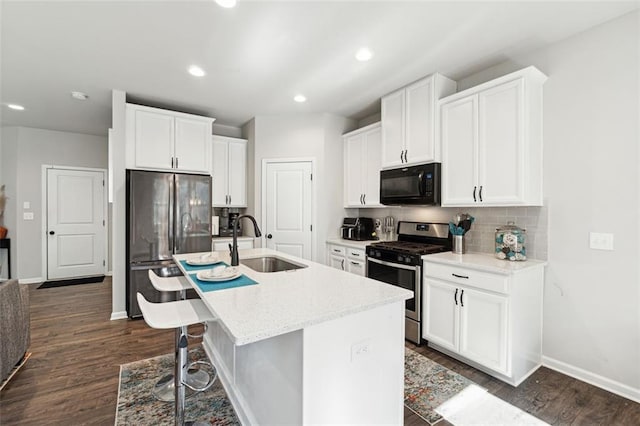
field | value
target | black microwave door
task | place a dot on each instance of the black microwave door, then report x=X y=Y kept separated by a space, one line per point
x=398 y=186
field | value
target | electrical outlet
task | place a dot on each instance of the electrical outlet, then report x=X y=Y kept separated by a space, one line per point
x=27 y=215
x=600 y=241
x=360 y=349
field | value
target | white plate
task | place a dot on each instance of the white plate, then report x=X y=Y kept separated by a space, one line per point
x=226 y=274
x=203 y=260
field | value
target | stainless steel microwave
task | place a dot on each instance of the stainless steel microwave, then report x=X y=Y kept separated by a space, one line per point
x=415 y=185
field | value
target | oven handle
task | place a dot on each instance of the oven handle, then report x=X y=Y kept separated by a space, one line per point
x=394 y=265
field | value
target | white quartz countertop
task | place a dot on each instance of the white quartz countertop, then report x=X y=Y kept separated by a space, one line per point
x=483 y=262
x=286 y=301
x=350 y=243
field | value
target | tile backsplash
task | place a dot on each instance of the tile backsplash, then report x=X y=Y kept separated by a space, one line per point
x=481 y=236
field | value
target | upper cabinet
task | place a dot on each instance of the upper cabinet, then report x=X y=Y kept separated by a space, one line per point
x=409 y=116
x=166 y=140
x=362 y=164
x=491 y=139
x=229 y=172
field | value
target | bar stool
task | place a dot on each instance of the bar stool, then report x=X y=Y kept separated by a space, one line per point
x=178 y=315
x=163 y=390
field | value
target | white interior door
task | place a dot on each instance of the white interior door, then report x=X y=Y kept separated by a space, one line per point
x=288 y=208
x=75 y=223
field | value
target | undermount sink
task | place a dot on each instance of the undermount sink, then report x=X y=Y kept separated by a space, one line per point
x=270 y=264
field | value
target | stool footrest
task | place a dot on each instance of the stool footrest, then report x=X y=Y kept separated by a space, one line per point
x=197 y=336
x=214 y=376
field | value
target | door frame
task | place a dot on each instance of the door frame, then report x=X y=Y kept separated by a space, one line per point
x=263 y=197
x=43 y=225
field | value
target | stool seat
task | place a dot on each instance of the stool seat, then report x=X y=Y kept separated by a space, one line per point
x=176 y=314
x=168 y=283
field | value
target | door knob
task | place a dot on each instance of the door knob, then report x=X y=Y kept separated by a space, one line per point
x=269 y=236
x=51 y=232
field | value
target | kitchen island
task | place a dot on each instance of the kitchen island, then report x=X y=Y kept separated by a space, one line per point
x=310 y=346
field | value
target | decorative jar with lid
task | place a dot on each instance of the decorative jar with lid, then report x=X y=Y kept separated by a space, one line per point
x=510 y=242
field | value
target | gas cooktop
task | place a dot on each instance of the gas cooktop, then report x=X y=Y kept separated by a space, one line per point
x=409 y=247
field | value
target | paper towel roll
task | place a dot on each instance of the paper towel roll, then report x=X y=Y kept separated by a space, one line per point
x=215 y=225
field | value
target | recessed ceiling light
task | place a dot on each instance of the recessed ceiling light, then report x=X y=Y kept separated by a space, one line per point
x=300 y=98
x=16 y=107
x=226 y=3
x=196 y=71
x=79 y=96
x=364 y=54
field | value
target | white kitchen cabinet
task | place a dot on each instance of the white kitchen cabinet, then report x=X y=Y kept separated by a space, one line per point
x=219 y=244
x=167 y=140
x=491 y=139
x=409 y=117
x=347 y=256
x=362 y=164
x=229 y=172
x=485 y=312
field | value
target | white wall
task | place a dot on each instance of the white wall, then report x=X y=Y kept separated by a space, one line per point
x=592 y=183
x=27 y=149
x=119 y=235
x=316 y=136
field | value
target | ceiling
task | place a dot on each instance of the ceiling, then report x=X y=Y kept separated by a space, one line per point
x=258 y=55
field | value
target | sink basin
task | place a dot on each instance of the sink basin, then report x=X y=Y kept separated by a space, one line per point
x=270 y=264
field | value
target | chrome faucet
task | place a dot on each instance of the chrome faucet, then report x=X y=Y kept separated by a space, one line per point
x=235 y=259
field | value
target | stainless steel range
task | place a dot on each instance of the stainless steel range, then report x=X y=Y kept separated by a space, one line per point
x=400 y=263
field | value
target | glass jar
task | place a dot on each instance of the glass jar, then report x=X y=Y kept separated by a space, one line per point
x=510 y=242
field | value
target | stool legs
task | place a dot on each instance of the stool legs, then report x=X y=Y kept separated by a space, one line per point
x=179 y=374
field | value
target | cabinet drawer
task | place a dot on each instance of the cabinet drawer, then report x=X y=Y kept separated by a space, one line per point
x=337 y=250
x=468 y=277
x=355 y=254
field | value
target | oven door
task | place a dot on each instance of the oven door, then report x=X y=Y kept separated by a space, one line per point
x=404 y=276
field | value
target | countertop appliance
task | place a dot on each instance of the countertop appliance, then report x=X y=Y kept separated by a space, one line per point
x=167 y=213
x=399 y=263
x=415 y=185
x=358 y=229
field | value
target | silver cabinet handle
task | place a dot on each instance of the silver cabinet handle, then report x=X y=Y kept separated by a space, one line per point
x=176 y=162
x=172 y=162
x=364 y=199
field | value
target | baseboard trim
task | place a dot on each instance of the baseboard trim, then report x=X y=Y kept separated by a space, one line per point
x=31 y=280
x=108 y=274
x=592 y=378
x=118 y=315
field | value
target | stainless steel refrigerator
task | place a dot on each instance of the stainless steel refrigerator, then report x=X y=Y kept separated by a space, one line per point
x=167 y=213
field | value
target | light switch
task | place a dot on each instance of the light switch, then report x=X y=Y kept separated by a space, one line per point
x=27 y=215
x=600 y=241
x=26 y=205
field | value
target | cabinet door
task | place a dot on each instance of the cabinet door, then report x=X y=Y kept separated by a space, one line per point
x=419 y=137
x=237 y=174
x=353 y=170
x=440 y=314
x=221 y=246
x=245 y=244
x=372 y=161
x=219 y=172
x=483 y=329
x=337 y=262
x=459 y=151
x=153 y=140
x=355 y=267
x=501 y=164
x=192 y=144
x=392 y=113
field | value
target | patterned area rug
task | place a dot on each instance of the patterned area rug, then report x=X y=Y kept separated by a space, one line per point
x=428 y=384
x=137 y=406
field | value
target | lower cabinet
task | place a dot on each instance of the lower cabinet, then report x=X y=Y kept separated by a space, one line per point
x=347 y=259
x=492 y=321
x=223 y=244
x=472 y=323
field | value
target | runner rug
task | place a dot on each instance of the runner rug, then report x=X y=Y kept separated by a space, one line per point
x=428 y=388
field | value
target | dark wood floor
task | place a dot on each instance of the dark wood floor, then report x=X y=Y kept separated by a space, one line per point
x=72 y=376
